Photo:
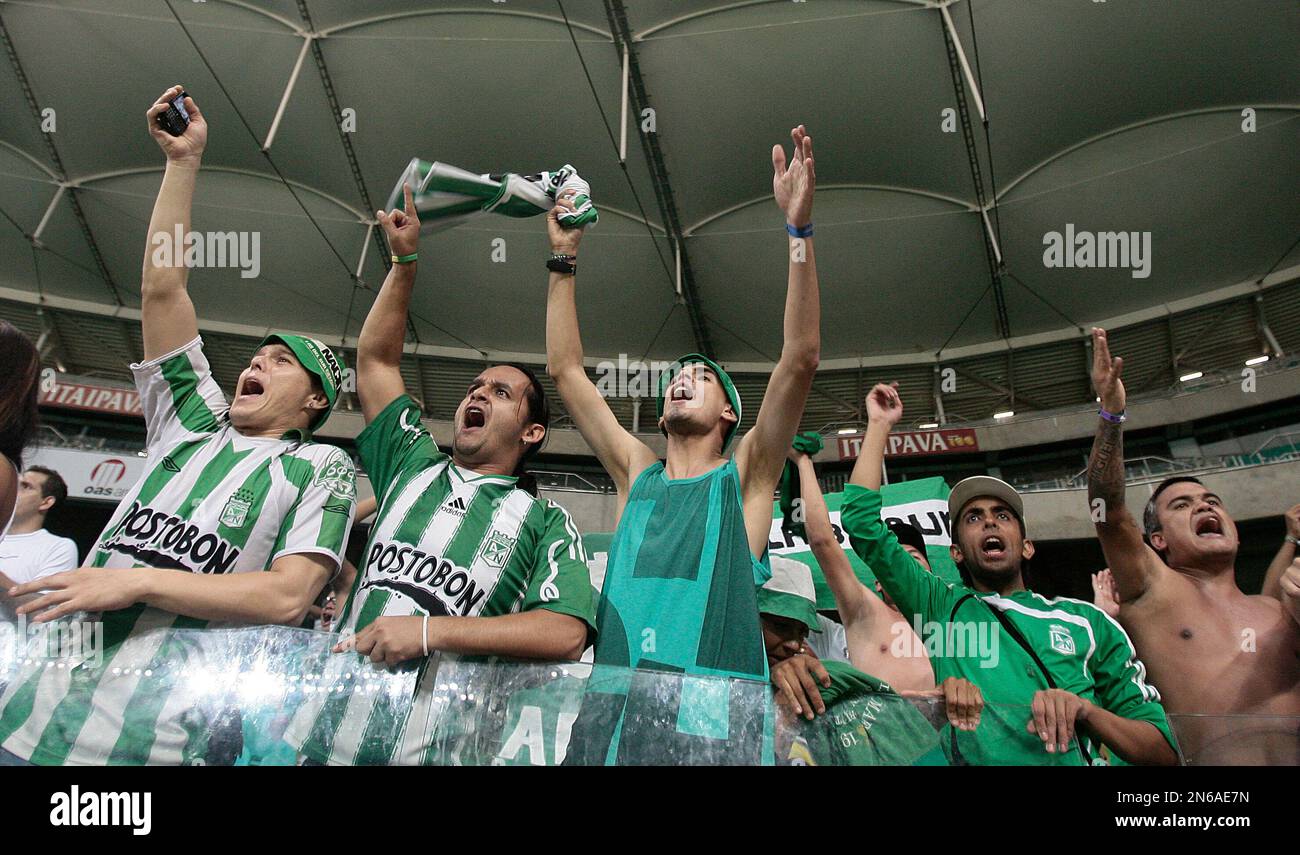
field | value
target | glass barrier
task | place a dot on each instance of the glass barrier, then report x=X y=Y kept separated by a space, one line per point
x=279 y=696
x=1238 y=740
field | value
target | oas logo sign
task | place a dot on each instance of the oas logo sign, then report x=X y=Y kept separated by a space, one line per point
x=105 y=476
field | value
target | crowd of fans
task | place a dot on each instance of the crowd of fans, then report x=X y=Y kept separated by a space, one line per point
x=465 y=559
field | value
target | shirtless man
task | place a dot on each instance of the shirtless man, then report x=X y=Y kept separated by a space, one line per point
x=1211 y=648
x=880 y=640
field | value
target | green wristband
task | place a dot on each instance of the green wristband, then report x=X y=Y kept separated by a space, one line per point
x=403 y=259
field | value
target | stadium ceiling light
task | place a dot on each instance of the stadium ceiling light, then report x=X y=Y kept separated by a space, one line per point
x=1257 y=360
x=928 y=426
x=846 y=431
x=1195 y=375
x=1005 y=414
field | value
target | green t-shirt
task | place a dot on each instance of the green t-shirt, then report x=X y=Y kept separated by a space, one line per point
x=680 y=597
x=1086 y=651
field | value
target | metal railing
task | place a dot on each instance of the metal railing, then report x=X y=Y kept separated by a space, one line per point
x=574 y=482
x=1143 y=470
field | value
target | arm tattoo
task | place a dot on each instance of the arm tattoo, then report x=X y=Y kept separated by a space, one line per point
x=1106 y=465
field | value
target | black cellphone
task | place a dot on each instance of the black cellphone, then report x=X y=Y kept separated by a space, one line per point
x=175 y=119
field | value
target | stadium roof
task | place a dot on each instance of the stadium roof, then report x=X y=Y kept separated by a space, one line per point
x=1177 y=120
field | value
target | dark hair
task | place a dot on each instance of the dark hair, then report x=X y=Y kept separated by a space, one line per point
x=1150 y=522
x=19 y=391
x=539 y=412
x=54 y=486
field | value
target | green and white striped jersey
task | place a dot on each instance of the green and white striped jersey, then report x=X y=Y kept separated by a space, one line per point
x=212 y=501
x=446 y=541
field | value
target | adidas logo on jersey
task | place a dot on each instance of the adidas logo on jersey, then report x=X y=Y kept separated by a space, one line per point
x=454 y=505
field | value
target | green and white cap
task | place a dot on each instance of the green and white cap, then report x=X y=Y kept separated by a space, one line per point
x=318 y=360
x=790 y=593
x=733 y=397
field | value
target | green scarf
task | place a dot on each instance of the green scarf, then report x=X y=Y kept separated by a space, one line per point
x=808 y=442
x=446 y=196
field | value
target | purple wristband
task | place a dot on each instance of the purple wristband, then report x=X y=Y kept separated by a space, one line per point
x=1113 y=418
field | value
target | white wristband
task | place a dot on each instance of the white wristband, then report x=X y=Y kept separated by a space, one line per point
x=424 y=636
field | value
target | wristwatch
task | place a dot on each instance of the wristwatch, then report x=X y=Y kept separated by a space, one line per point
x=1291 y=538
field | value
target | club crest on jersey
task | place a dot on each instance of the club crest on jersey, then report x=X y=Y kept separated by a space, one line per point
x=338 y=477
x=497 y=549
x=1061 y=640
x=236 y=509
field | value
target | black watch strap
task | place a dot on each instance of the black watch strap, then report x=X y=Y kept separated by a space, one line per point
x=562 y=263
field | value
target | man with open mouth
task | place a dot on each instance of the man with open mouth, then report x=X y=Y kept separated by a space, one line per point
x=462 y=559
x=1214 y=651
x=691 y=541
x=239 y=519
x=1059 y=678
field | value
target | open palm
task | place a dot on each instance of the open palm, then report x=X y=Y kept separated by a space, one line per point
x=793 y=184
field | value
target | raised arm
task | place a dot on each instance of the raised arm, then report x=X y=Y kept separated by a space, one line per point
x=379 y=350
x=167 y=316
x=761 y=455
x=623 y=455
x=1133 y=564
x=852 y=599
x=913 y=590
x=1285 y=555
x=884 y=409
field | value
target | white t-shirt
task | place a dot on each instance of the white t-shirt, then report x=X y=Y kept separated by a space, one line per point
x=831 y=643
x=27 y=557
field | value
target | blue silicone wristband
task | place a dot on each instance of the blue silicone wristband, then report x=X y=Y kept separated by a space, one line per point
x=795 y=231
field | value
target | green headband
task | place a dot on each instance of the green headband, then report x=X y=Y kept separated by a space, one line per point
x=733 y=397
x=319 y=361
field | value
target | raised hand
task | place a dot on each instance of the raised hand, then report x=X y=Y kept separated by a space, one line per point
x=1292 y=517
x=884 y=405
x=1290 y=585
x=1106 y=373
x=401 y=227
x=563 y=241
x=1104 y=595
x=188 y=147
x=793 y=185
